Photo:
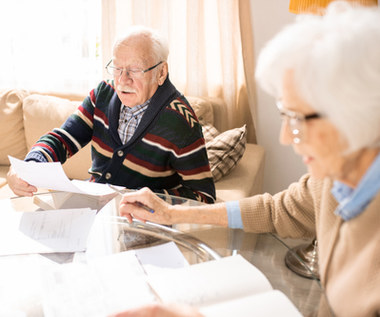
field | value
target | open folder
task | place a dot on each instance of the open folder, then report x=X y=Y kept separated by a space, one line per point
x=229 y=287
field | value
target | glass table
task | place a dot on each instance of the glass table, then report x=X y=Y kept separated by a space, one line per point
x=198 y=243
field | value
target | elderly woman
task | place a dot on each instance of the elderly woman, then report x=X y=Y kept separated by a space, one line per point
x=325 y=73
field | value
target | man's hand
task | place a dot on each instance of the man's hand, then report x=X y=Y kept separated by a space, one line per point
x=19 y=186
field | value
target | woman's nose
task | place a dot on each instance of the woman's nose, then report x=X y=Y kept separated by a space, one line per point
x=285 y=137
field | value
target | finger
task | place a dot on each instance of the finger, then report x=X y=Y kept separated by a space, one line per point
x=24 y=191
x=129 y=217
x=126 y=211
x=134 y=212
x=140 y=219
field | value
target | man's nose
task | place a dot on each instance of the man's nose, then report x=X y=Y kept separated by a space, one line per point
x=125 y=76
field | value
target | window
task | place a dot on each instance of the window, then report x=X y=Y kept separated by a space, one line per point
x=50 y=45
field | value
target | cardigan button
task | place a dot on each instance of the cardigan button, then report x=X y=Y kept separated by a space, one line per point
x=108 y=175
x=120 y=153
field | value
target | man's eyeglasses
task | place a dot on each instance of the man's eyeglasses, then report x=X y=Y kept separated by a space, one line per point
x=296 y=122
x=133 y=73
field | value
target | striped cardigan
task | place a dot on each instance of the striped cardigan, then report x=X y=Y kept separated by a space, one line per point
x=166 y=153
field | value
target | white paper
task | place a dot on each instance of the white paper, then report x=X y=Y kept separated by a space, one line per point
x=268 y=304
x=99 y=288
x=165 y=255
x=106 y=284
x=20 y=287
x=45 y=231
x=52 y=176
x=230 y=286
x=210 y=282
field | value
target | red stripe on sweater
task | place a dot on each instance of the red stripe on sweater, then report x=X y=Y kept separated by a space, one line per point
x=92 y=96
x=147 y=165
x=102 y=144
x=85 y=113
x=63 y=141
x=197 y=170
x=45 y=146
x=176 y=192
x=165 y=143
x=101 y=115
x=203 y=197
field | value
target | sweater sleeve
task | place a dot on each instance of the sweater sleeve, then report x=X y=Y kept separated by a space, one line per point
x=290 y=213
x=184 y=140
x=62 y=143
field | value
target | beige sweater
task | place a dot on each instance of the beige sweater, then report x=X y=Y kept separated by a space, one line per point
x=349 y=252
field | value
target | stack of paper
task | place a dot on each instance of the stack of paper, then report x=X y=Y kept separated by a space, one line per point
x=229 y=287
x=49 y=231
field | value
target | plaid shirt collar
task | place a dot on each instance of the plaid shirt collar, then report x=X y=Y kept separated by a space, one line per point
x=129 y=120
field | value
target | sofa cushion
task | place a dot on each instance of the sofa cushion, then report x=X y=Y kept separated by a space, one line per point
x=12 y=134
x=246 y=179
x=202 y=108
x=44 y=113
x=225 y=149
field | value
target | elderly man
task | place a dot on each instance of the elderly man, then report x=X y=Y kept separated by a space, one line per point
x=143 y=132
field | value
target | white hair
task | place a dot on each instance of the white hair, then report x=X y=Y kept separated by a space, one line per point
x=159 y=49
x=336 y=63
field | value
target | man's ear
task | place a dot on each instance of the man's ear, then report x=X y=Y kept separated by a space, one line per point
x=163 y=73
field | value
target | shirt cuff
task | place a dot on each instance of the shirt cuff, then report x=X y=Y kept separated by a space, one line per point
x=234 y=215
x=35 y=156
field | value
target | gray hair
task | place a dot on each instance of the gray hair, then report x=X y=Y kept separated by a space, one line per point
x=160 y=49
x=336 y=63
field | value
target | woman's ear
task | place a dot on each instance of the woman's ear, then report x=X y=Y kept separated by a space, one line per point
x=163 y=73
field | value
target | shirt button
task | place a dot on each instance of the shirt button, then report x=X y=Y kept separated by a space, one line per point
x=120 y=153
x=108 y=175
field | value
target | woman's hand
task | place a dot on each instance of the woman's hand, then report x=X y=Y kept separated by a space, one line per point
x=130 y=207
x=160 y=310
x=19 y=186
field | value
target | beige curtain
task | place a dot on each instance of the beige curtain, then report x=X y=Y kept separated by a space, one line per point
x=211 y=48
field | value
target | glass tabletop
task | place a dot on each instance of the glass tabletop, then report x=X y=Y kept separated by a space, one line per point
x=198 y=243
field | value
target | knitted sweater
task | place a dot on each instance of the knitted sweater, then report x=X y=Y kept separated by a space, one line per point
x=166 y=153
x=348 y=251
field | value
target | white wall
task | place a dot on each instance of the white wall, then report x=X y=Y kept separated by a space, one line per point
x=282 y=166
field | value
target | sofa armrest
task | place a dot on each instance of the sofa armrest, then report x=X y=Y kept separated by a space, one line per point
x=246 y=179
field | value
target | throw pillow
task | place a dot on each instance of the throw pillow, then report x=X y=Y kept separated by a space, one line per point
x=225 y=149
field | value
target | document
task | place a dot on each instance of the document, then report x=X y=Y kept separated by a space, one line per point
x=97 y=289
x=165 y=255
x=267 y=304
x=107 y=284
x=49 y=231
x=52 y=176
x=230 y=286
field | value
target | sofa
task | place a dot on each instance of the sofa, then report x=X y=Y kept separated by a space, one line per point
x=237 y=166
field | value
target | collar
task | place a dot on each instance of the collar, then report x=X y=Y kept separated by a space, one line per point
x=352 y=202
x=134 y=111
